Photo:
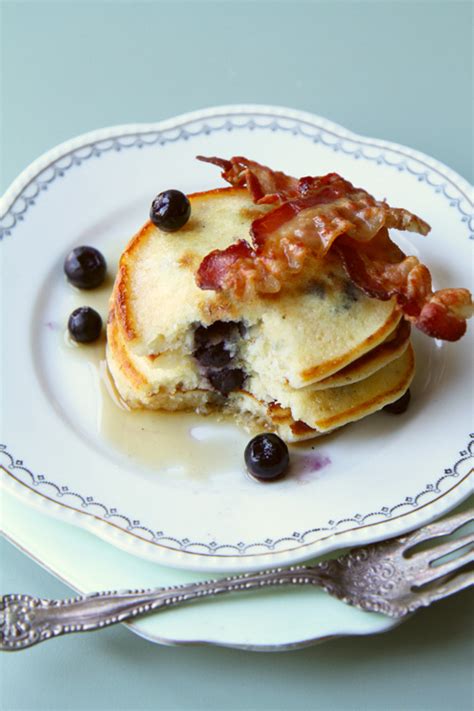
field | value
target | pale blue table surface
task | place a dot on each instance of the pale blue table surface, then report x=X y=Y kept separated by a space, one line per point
x=395 y=70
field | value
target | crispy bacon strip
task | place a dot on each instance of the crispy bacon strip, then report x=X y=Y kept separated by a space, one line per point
x=440 y=314
x=264 y=185
x=315 y=215
x=219 y=265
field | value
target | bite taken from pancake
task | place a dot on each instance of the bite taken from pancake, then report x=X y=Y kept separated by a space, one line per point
x=281 y=301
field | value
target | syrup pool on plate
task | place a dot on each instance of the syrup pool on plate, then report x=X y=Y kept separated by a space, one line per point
x=184 y=445
x=181 y=442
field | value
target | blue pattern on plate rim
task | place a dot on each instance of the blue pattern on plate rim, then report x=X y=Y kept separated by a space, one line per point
x=185 y=544
x=75 y=158
x=140 y=140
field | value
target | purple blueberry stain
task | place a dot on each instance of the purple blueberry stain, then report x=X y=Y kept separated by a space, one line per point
x=52 y=325
x=306 y=466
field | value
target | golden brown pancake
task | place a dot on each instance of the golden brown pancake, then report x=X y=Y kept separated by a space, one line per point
x=307 y=361
x=301 y=336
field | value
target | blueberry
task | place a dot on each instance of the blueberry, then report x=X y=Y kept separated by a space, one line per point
x=85 y=267
x=400 y=405
x=227 y=379
x=84 y=325
x=266 y=457
x=213 y=356
x=170 y=210
x=216 y=332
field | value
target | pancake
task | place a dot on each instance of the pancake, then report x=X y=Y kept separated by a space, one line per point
x=325 y=410
x=169 y=382
x=300 y=364
x=332 y=409
x=394 y=346
x=302 y=336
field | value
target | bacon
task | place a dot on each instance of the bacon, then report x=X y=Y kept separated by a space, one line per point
x=218 y=265
x=234 y=269
x=313 y=216
x=444 y=315
x=264 y=185
x=440 y=314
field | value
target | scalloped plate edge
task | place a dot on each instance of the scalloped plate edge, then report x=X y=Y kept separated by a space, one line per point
x=360 y=534
x=132 y=543
x=102 y=134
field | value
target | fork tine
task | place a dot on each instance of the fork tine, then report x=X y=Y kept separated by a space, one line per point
x=461 y=582
x=450 y=566
x=432 y=554
x=439 y=528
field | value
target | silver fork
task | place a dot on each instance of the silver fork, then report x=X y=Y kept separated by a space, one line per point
x=381 y=577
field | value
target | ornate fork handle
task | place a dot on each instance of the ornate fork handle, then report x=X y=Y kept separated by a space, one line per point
x=27 y=620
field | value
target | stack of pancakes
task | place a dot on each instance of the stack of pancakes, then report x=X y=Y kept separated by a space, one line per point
x=298 y=363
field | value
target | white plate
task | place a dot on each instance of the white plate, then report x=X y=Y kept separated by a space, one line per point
x=372 y=480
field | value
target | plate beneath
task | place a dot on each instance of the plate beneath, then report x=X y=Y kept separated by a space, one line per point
x=375 y=479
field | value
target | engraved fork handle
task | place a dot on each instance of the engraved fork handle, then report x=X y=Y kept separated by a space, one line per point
x=27 y=620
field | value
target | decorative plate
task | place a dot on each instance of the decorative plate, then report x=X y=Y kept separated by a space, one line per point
x=170 y=495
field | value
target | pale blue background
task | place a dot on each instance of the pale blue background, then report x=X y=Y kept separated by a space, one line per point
x=395 y=70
